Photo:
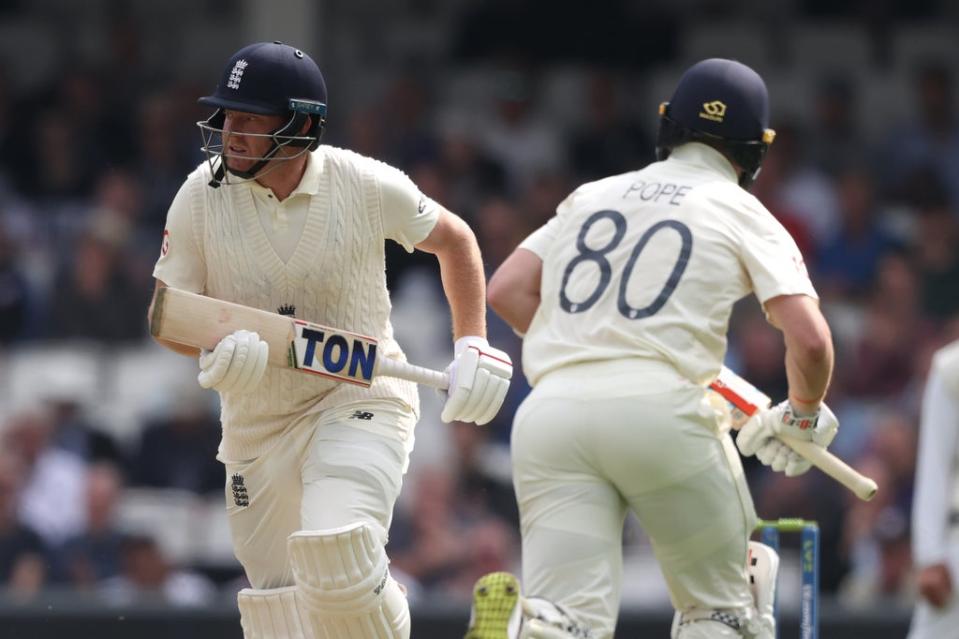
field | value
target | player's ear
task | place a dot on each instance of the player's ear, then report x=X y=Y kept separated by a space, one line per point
x=307 y=123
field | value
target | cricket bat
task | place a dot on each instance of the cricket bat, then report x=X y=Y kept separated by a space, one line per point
x=201 y=321
x=745 y=400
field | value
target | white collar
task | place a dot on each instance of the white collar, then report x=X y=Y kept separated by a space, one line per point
x=309 y=183
x=706 y=156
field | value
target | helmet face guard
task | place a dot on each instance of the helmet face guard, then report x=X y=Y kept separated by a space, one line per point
x=748 y=154
x=286 y=135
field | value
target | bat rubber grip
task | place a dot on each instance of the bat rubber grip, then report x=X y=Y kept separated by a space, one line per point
x=862 y=486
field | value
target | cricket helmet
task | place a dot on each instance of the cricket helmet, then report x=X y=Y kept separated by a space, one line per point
x=723 y=103
x=267 y=78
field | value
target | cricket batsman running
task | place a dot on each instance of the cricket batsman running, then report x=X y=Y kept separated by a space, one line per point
x=275 y=220
x=625 y=297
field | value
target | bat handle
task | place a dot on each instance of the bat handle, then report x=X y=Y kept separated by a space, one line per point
x=863 y=487
x=413 y=373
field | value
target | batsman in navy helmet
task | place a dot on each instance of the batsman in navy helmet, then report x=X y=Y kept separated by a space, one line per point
x=625 y=297
x=722 y=103
x=291 y=225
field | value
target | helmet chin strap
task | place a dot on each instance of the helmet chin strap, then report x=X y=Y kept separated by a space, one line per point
x=258 y=170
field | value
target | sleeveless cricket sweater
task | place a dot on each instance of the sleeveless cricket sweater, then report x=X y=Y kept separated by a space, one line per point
x=336 y=276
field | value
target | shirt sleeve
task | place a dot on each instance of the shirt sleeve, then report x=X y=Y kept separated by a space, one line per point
x=773 y=261
x=181 y=263
x=938 y=438
x=408 y=215
x=540 y=240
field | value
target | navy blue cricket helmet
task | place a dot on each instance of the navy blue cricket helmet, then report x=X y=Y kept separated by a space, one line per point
x=724 y=103
x=267 y=78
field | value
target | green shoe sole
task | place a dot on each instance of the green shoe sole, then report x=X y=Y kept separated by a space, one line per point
x=496 y=610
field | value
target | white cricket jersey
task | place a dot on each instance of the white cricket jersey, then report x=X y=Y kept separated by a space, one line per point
x=648 y=264
x=320 y=253
x=937 y=480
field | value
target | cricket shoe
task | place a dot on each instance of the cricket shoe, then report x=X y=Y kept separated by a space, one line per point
x=497 y=611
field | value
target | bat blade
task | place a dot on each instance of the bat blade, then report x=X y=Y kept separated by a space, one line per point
x=340 y=355
x=200 y=321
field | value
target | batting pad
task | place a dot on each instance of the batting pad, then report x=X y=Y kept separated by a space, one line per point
x=344 y=584
x=271 y=614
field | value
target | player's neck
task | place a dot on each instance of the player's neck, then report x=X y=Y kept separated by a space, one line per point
x=283 y=179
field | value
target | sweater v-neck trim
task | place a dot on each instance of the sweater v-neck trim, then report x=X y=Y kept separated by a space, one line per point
x=300 y=260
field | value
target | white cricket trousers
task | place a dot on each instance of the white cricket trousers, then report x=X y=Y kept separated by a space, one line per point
x=596 y=439
x=327 y=470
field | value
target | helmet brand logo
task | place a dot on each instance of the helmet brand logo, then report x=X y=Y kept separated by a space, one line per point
x=715 y=111
x=236 y=75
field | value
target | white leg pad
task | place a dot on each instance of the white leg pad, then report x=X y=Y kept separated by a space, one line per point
x=271 y=614
x=762 y=564
x=344 y=584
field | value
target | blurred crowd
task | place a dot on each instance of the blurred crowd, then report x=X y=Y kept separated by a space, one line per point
x=89 y=164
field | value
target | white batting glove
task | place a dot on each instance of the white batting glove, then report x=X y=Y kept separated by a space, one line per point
x=236 y=364
x=781 y=458
x=758 y=435
x=479 y=378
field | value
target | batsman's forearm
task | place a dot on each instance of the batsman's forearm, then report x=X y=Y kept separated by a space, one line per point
x=461 y=269
x=809 y=369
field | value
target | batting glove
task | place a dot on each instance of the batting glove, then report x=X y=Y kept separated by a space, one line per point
x=758 y=435
x=781 y=458
x=236 y=364
x=479 y=378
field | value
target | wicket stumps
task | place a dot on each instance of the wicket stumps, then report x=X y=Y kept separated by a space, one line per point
x=809 y=564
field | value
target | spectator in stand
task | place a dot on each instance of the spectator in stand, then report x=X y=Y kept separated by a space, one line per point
x=931 y=139
x=146 y=575
x=444 y=543
x=846 y=265
x=73 y=429
x=96 y=553
x=51 y=499
x=881 y=362
x=23 y=565
x=94 y=297
x=607 y=142
x=179 y=451
x=14 y=292
x=470 y=173
x=54 y=167
x=485 y=485
x=525 y=143
x=163 y=155
x=938 y=260
x=836 y=140
x=872 y=535
x=409 y=139
x=429 y=543
x=798 y=193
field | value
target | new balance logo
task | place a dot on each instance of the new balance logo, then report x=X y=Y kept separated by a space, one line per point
x=240 y=497
x=379 y=587
x=359 y=414
x=236 y=75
